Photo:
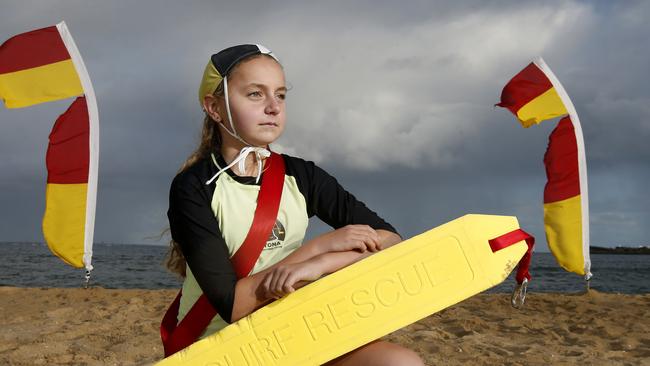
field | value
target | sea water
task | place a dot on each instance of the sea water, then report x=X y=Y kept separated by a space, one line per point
x=142 y=266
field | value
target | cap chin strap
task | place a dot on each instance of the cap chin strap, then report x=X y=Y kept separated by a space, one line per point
x=243 y=153
x=234 y=131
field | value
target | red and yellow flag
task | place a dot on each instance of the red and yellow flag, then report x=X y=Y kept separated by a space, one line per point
x=535 y=95
x=36 y=67
x=67 y=184
x=41 y=66
x=531 y=97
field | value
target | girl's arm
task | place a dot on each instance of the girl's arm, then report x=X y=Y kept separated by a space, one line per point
x=308 y=263
x=351 y=237
x=285 y=279
x=333 y=261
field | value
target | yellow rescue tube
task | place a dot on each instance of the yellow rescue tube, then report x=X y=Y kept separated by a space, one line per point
x=367 y=300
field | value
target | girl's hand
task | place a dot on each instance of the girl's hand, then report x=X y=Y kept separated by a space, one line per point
x=282 y=279
x=352 y=237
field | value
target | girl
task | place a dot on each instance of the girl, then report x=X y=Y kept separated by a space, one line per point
x=215 y=203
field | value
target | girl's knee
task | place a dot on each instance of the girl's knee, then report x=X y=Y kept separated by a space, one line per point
x=395 y=355
x=406 y=357
x=379 y=353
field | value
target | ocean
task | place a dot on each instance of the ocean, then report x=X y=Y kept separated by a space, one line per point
x=141 y=266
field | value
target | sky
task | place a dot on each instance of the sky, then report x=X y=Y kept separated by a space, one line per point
x=393 y=99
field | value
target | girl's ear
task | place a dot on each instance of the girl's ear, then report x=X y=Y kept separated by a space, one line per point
x=211 y=107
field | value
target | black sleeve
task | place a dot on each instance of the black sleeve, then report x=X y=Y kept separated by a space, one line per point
x=328 y=200
x=194 y=227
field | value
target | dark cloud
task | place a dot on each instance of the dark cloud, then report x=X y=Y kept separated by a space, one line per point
x=394 y=101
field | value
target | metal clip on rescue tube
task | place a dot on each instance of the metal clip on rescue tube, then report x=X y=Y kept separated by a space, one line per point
x=523 y=276
x=519 y=294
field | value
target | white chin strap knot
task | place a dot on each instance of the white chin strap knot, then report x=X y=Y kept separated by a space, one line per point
x=241 y=162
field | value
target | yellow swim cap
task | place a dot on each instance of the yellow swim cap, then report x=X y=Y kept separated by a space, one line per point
x=222 y=62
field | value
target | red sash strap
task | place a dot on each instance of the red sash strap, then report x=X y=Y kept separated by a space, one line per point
x=266 y=212
x=513 y=237
x=176 y=337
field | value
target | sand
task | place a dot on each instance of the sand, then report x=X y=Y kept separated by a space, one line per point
x=120 y=327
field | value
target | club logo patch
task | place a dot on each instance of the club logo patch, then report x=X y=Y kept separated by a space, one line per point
x=276 y=239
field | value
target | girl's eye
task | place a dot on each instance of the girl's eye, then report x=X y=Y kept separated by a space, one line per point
x=281 y=96
x=255 y=94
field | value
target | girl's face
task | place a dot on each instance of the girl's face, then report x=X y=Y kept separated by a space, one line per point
x=256 y=91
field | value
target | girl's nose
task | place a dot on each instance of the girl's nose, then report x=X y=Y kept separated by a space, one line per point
x=273 y=106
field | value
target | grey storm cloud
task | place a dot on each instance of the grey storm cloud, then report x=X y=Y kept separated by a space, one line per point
x=396 y=102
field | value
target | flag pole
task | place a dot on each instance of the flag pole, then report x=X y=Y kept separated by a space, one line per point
x=93 y=115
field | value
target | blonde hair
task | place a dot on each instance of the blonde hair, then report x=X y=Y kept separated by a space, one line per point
x=210 y=141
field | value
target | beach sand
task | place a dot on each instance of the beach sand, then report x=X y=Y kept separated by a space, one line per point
x=120 y=327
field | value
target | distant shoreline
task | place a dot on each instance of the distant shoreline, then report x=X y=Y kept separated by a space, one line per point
x=593 y=249
x=620 y=250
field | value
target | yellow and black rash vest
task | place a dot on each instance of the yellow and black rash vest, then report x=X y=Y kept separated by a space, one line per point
x=210 y=222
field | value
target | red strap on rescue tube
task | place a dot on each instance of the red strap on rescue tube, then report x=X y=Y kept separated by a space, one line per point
x=513 y=237
x=176 y=337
